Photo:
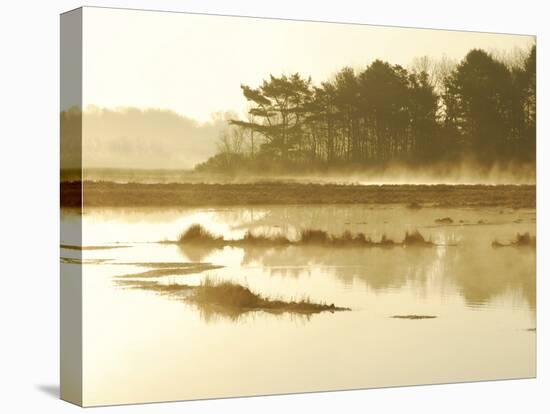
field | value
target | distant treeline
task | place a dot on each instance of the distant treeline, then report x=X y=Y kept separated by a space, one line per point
x=481 y=109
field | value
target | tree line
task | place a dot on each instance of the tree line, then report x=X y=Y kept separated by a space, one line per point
x=482 y=108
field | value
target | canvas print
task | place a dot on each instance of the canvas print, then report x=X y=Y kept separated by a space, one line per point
x=257 y=206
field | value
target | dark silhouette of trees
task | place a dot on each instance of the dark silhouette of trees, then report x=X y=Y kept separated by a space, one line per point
x=527 y=106
x=481 y=108
x=491 y=108
x=423 y=107
x=280 y=105
x=481 y=89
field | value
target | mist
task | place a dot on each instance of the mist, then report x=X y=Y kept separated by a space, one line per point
x=151 y=138
x=468 y=172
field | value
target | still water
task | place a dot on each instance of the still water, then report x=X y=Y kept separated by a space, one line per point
x=140 y=346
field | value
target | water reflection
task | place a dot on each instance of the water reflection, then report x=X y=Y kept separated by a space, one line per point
x=472 y=269
x=478 y=275
x=483 y=300
x=215 y=315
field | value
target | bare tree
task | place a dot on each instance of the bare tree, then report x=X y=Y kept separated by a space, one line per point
x=231 y=141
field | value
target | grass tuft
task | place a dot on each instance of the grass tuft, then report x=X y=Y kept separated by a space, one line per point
x=385 y=241
x=524 y=239
x=521 y=240
x=250 y=238
x=414 y=205
x=414 y=317
x=197 y=234
x=415 y=239
x=312 y=236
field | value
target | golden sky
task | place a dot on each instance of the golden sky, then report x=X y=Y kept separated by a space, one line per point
x=194 y=64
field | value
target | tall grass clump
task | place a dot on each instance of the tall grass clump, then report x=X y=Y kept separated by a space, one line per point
x=386 y=241
x=312 y=236
x=525 y=239
x=521 y=240
x=415 y=238
x=198 y=234
x=226 y=294
x=347 y=238
x=259 y=239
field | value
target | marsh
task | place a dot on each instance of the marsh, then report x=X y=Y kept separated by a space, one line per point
x=464 y=308
x=255 y=207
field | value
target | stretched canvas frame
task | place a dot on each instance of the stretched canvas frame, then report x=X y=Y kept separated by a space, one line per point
x=370 y=225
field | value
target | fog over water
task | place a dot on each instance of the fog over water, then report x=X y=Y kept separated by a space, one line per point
x=398 y=174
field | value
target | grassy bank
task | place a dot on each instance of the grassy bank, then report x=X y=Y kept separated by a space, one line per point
x=106 y=194
x=231 y=296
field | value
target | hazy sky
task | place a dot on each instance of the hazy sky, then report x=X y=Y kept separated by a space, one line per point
x=194 y=64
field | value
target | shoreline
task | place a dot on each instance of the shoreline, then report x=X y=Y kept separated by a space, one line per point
x=109 y=194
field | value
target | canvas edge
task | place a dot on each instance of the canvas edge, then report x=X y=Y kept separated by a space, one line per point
x=71 y=341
